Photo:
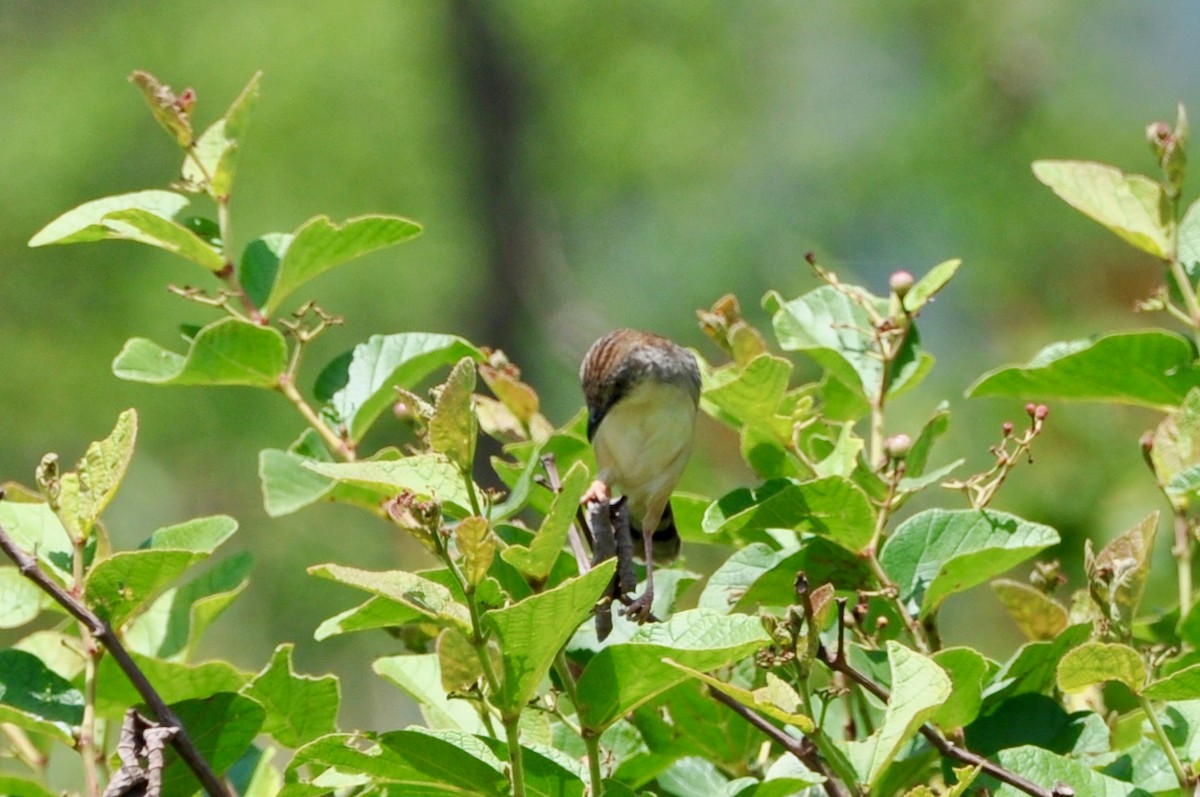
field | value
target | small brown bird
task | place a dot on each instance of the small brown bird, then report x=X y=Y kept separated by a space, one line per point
x=642 y=391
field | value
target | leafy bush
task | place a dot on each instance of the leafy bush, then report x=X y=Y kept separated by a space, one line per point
x=813 y=662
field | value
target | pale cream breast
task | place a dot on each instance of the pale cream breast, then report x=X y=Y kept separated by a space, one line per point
x=643 y=444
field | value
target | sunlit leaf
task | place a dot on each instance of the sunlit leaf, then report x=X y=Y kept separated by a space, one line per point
x=938 y=552
x=1157 y=370
x=832 y=507
x=299 y=707
x=1132 y=206
x=226 y=352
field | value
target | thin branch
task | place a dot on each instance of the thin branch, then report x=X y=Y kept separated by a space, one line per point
x=838 y=662
x=802 y=749
x=106 y=636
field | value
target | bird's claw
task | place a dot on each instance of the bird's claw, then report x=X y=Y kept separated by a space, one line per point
x=638 y=609
x=596 y=492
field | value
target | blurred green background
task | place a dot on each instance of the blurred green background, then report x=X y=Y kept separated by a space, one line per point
x=578 y=167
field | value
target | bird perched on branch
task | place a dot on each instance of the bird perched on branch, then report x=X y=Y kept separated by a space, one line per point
x=642 y=391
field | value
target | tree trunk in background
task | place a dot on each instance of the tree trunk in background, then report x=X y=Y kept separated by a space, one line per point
x=495 y=101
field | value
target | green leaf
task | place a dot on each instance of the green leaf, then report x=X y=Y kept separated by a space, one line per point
x=528 y=643
x=1134 y=207
x=222 y=727
x=217 y=148
x=832 y=507
x=918 y=455
x=143 y=216
x=37 y=530
x=360 y=384
x=536 y=560
x=33 y=697
x=835 y=331
x=320 y=245
x=174 y=681
x=20 y=599
x=776 y=700
x=426 y=597
x=424 y=762
x=1098 y=662
x=621 y=677
x=424 y=475
x=118 y=586
x=919 y=687
x=751 y=396
x=299 y=707
x=174 y=623
x=373 y=614
x=1047 y=769
x=287 y=485
x=172 y=112
x=938 y=552
x=85 y=492
x=1037 y=614
x=764 y=575
x=968 y=670
x=1157 y=371
x=19 y=787
x=226 y=352
x=933 y=281
x=1180 y=685
x=1033 y=668
x=420 y=676
x=454 y=429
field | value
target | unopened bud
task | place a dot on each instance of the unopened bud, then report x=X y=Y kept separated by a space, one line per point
x=901 y=283
x=1030 y=409
x=1040 y=412
x=1007 y=428
x=897 y=446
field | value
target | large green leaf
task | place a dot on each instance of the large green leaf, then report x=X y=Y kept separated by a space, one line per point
x=919 y=687
x=143 y=216
x=20 y=599
x=173 y=680
x=765 y=575
x=1047 y=769
x=430 y=599
x=374 y=613
x=119 y=585
x=968 y=670
x=222 y=727
x=420 y=676
x=528 y=643
x=299 y=707
x=360 y=384
x=226 y=352
x=284 y=263
x=422 y=762
x=621 y=677
x=832 y=507
x=1180 y=685
x=1033 y=668
x=173 y=624
x=1099 y=662
x=1134 y=207
x=939 y=552
x=1037 y=614
x=424 y=475
x=835 y=330
x=1149 y=369
x=35 y=698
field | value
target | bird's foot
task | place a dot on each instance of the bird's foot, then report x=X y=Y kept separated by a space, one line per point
x=638 y=609
x=598 y=492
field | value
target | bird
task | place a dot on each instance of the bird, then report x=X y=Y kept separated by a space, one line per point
x=642 y=392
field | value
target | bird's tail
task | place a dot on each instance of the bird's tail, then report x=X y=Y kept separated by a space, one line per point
x=666 y=542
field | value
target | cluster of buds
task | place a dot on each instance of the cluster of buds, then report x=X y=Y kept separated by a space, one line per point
x=981 y=487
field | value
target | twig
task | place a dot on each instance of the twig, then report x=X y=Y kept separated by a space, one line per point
x=103 y=633
x=838 y=662
x=800 y=748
